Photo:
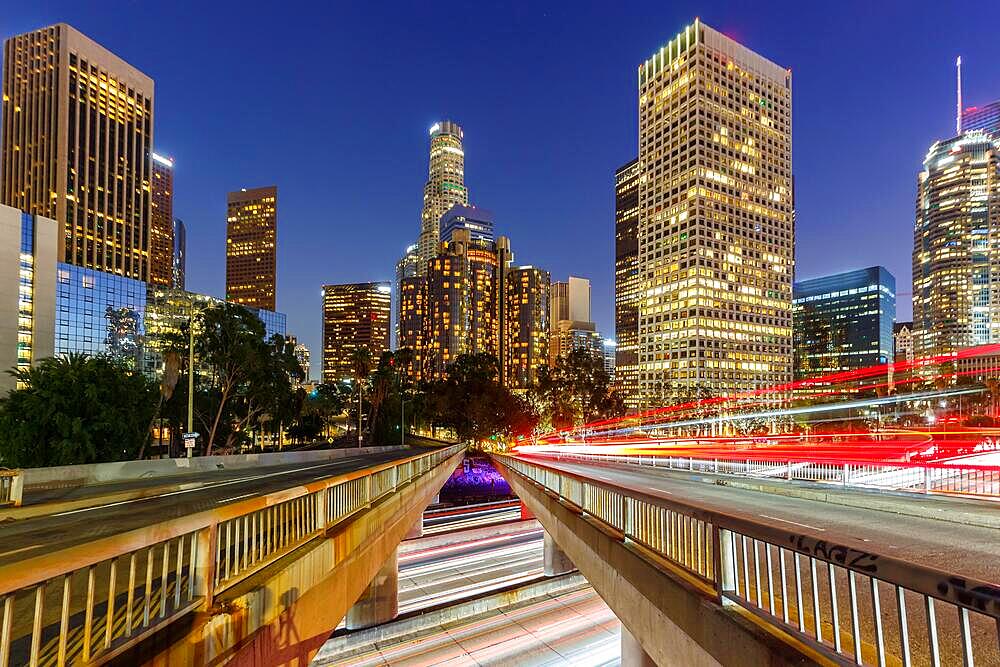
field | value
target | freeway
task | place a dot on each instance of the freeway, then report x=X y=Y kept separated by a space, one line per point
x=573 y=628
x=30 y=537
x=439 y=574
x=446 y=519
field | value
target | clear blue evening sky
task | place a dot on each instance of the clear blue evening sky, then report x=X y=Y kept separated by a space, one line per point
x=332 y=101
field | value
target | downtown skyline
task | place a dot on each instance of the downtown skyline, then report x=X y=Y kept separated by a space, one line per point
x=549 y=182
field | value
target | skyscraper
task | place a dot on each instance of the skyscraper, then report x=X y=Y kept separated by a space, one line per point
x=477 y=220
x=77 y=142
x=627 y=281
x=355 y=316
x=986 y=117
x=526 y=303
x=843 y=321
x=161 y=225
x=956 y=269
x=715 y=228
x=570 y=300
x=180 y=253
x=406 y=267
x=251 y=247
x=445 y=187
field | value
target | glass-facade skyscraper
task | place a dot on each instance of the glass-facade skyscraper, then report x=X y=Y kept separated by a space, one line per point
x=445 y=187
x=843 y=321
x=627 y=281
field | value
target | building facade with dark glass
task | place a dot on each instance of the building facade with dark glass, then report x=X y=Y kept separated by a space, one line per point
x=843 y=321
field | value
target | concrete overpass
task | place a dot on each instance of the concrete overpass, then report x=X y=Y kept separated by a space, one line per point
x=254 y=565
x=703 y=572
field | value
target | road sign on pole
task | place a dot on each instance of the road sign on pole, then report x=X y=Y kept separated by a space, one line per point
x=189 y=440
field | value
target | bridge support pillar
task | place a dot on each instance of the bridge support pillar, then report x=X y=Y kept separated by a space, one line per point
x=417 y=530
x=555 y=559
x=632 y=653
x=380 y=601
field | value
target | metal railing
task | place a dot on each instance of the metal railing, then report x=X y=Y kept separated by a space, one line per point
x=970 y=480
x=855 y=605
x=11 y=487
x=92 y=601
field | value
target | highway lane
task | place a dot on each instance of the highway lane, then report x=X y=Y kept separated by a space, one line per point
x=574 y=628
x=434 y=575
x=29 y=537
x=442 y=520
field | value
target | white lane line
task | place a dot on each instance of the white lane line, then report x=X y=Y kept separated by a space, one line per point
x=198 y=488
x=16 y=551
x=794 y=523
x=226 y=500
x=653 y=488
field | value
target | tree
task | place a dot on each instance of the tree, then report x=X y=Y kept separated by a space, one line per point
x=361 y=363
x=472 y=402
x=576 y=390
x=75 y=410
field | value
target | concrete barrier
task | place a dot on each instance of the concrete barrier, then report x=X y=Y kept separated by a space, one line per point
x=119 y=471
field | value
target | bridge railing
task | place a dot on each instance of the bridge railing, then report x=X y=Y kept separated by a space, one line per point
x=11 y=487
x=857 y=604
x=957 y=479
x=94 y=600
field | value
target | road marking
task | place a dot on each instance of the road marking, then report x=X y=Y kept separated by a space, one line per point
x=653 y=488
x=245 y=495
x=16 y=551
x=794 y=523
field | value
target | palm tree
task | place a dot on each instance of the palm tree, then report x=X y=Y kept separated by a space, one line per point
x=361 y=364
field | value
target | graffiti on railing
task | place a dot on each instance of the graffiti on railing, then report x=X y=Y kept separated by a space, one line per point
x=861 y=561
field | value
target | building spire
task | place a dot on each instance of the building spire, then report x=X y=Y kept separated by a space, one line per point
x=958 y=115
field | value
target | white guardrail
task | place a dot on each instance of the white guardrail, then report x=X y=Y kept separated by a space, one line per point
x=972 y=480
x=91 y=601
x=855 y=606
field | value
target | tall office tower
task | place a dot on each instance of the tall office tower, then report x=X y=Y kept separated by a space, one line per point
x=445 y=187
x=986 y=117
x=570 y=301
x=355 y=316
x=626 y=350
x=461 y=309
x=406 y=267
x=526 y=305
x=902 y=342
x=610 y=359
x=716 y=231
x=251 y=247
x=477 y=220
x=77 y=141
x=843 y=321
x=569 y=335
x=955 y=262
x=412 y=310
x=161 y=222
x=179 y=254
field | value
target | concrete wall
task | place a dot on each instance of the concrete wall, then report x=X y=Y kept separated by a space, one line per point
x=96 y=473
x=677 y=620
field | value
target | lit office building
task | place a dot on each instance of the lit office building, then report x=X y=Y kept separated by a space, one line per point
x=609 y=359
x=77 y=137
x=954 y=258
x=461 y=303
x=28 y=256
x=627 y=281
x=302 y=356
x=843 y=321
x=445 y=187
x=412 y=310
x=986 y=117
x=180 y=253
x=406 y=267
x=251 y=247
x=161 y=223
x=478 y=221
x=902 y=342
x=526 y=306
x=716 y=231
x=569 y=335
x=355 y=317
